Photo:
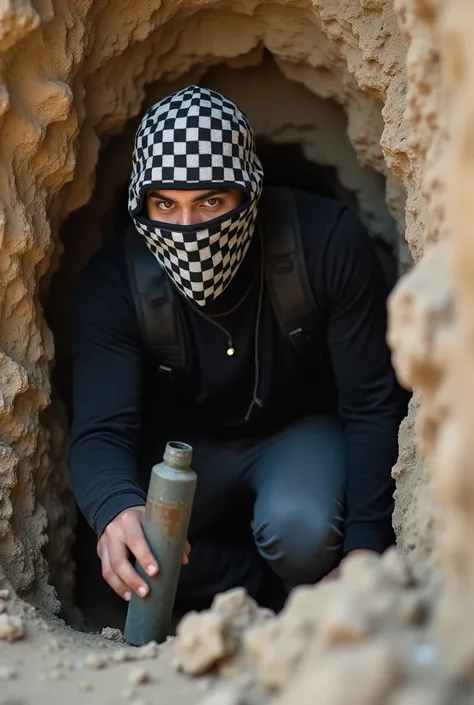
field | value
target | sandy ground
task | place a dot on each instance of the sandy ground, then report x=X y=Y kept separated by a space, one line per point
x=53 y=664
x=363 y=640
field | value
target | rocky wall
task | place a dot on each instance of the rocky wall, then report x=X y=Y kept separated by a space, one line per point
x=74 y=74
x=439 y=300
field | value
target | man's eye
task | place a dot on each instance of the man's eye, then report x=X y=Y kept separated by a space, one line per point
x=213 y=201
x=165 y=205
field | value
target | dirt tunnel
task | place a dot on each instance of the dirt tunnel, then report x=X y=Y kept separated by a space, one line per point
x=344 y=95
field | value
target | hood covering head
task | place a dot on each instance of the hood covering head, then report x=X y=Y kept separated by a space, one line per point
x=196 y=139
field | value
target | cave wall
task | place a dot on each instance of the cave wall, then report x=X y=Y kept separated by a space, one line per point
x=74 y=74
x=433 y=313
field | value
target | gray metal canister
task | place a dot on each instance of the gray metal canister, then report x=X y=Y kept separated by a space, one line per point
x=168 y=509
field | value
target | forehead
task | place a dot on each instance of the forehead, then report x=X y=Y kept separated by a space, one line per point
x=184 y=194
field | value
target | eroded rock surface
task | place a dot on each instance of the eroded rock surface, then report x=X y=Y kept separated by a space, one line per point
x=366 y=637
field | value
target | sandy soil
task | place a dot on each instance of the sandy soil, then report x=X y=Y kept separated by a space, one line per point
x=363 y=640
x=47 y=662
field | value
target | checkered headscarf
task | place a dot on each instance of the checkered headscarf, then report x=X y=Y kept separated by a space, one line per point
x=196 y=139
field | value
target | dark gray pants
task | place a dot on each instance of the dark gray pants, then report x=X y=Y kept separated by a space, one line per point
x=275 y=504
x=267 y=515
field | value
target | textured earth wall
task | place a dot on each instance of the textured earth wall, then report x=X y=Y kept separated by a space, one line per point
x=74 y=74
x=433 y=322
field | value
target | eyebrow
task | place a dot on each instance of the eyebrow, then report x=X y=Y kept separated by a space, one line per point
x=208 y=194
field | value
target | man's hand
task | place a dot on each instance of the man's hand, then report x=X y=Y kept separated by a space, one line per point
x=123 y=535
x=336 y=572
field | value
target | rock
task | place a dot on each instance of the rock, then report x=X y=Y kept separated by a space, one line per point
x=112 y=634
x=344 y=621
x=395 y=565
x=138 y=676
x=4 y=594
x=364 y=574
x=365 y=674
x=275 y=653
x=203 y=640
x=11 y=628
x=235 y=603
x=412 y=609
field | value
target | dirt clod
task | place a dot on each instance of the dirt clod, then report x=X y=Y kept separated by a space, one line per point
x=203 y=640
x=11 y=628
x=112 y=634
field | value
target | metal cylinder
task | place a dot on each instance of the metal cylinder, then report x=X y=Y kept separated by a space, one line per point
x=168 y=509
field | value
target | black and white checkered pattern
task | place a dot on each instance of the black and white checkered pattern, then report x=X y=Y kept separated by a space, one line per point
x=196 y=138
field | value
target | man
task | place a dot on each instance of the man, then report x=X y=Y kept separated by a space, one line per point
x=293 y=455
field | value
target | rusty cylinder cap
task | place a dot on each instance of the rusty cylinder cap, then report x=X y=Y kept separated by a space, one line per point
x=178 y=454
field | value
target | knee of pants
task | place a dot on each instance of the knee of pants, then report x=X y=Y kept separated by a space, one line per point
x=301 y=541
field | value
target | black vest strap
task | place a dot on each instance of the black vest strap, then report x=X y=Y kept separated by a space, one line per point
x=287 y=280
x=158 y=318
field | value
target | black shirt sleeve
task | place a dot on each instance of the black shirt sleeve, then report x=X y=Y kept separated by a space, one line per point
x=107 y=395
x=371 y=402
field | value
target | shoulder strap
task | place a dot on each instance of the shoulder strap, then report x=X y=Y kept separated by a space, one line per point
x=153 y=296
x=287 y=280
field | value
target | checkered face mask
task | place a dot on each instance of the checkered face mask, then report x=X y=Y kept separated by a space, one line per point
x=196 y=139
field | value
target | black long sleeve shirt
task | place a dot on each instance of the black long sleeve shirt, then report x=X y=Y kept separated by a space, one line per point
x=117 y=402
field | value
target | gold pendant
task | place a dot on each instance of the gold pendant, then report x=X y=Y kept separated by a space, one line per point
x=230 y=351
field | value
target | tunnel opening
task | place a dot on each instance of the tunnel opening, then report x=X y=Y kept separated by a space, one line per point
x=303 y=142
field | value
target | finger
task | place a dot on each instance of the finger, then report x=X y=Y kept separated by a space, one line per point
x=111 y=576
x=187 y=551
x=120 y=564
x=137 y=543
